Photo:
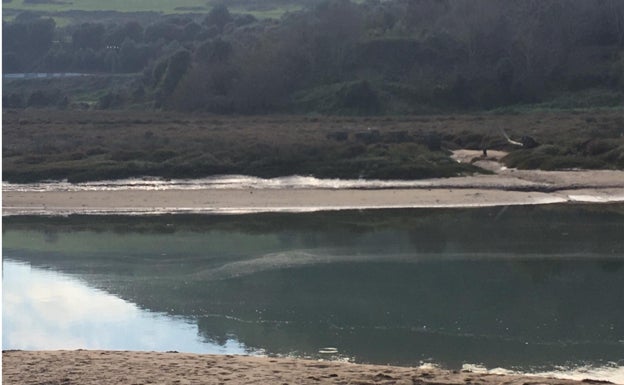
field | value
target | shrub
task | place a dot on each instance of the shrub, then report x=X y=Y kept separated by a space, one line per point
x=548 y=149
x=360 y=98
x=39 y=99
x=162 y=155
x=599 y=146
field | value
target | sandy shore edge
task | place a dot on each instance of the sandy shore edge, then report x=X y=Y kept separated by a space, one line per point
x=125 y=367
x=238 y=201
x=502 y=188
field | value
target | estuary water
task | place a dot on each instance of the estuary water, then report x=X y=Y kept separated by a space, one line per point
x=529 y=289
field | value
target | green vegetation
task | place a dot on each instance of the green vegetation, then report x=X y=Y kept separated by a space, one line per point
x=83 y=145
x=269 y=9
x=551 y=70
x=68 y=14
x=108 y=5
x=330 y=56
x=91 y=145
x=590 y=154
x=84 y=92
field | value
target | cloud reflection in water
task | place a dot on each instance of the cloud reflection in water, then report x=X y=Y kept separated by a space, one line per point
x=45 y=310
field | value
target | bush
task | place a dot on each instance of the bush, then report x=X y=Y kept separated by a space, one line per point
x=349 y=98
x=13 y=100
x=360 y=98
x=548 y=149
x=111 y=100
x=599 y=146
x=38 y=99
x=162 y=155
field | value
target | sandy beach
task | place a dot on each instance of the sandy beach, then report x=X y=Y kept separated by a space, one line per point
x=505 y=187
x=241 y=201
x=116 y=367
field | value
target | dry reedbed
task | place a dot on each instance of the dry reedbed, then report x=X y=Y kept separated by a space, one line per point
x=99 y=145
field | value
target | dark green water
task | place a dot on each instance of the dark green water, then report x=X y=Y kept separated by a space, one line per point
x=527 y=288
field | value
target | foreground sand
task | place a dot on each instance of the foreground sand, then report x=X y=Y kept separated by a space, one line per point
x=114 y=367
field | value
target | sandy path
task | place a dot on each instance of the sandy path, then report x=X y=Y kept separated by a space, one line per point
x=106 y=367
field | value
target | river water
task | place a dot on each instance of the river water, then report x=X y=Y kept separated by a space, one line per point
x=527 y=289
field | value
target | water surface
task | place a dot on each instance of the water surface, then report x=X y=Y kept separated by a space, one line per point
x=46 y=310
x=532 y=289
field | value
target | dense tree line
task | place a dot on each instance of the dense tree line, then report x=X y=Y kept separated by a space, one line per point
x=341 y=57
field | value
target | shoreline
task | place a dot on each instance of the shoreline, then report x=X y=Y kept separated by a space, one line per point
x=243 y=201
x=237 y=194
x=125 y=367
x=230 y=201
x=249 y=201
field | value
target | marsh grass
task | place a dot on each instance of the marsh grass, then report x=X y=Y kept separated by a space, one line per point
x=581 y=101
x=79 y=91
x=90 y=145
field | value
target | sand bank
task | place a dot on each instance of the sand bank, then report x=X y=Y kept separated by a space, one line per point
x=243 y=201
x=504 y=187
x=477 y=191
x=114 y=367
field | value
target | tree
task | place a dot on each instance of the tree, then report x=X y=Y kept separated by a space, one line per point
x=27 y=41
x=219 y=16
x=177 y=66
x=132 y=56
x=89 y=36
x=214 y=51
x=131 y=30
x=616 y=12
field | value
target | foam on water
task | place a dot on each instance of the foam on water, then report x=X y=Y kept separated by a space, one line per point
x=609 y=372
x=596 y=198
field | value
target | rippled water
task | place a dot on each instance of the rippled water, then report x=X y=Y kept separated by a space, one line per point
x=528 y=289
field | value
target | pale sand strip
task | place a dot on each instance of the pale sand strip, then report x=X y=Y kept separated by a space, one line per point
x=507 y=187
x=298 y=200
x=108 y=367
x=236 y=200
